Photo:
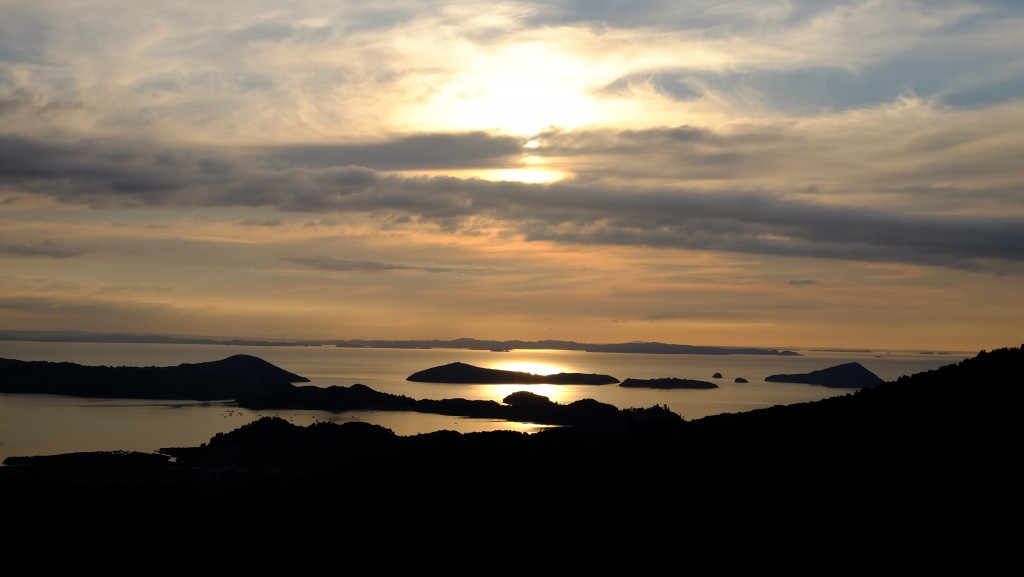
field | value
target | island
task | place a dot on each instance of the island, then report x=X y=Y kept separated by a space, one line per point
x=256 y=384
x=668 y=383
x=847 y=375
x=465 y=373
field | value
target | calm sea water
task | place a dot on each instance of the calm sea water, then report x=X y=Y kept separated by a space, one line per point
x=48 y=424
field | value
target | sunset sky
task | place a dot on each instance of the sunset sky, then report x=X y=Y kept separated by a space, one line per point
x=715 y=172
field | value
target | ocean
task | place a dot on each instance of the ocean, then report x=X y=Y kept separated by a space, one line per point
x=49 y=424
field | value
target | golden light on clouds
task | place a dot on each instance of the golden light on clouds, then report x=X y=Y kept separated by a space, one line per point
x=532 y=175
x=700 y=174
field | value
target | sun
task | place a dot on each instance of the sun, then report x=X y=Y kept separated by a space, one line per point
x=521 y=103
x=521 y=90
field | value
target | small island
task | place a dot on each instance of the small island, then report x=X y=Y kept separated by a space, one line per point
x=465 y=373
x=668 y=383
x=847 y=375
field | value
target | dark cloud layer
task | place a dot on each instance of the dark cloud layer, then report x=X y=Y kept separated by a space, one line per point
x=420 y=151
x=731 y=218
x=45 y=247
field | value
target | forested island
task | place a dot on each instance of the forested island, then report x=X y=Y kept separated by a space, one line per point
x=927 y=458
x=466 y=373
x=668 y=383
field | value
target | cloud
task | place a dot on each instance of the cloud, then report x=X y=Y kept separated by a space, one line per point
x=342 y=265
x=417 y=151
x=265 y=222
x=46 y=247
x=48 y=305
x=365 y=143
x=735 y=215
x=21 y=101
x=132 y=288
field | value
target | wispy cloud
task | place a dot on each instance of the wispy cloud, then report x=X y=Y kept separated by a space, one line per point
x=342 y=265
x=555 y=150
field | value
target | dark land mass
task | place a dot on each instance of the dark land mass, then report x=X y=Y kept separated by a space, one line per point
x=636 y=347
x=668 y=383
x=465 y=373
x=94 y=337
x=670 y=349
x=922 y=472
x=847 y=375
x=215 y=380
x=256 y=384
x=464 y=343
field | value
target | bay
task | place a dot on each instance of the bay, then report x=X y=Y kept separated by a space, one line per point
x=50 y=424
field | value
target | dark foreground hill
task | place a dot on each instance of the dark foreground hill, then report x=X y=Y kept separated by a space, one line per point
x=924 y=467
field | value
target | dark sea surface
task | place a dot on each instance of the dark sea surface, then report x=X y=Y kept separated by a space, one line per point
x=47 y=424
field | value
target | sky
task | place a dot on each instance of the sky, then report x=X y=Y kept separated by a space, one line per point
x=768 y=173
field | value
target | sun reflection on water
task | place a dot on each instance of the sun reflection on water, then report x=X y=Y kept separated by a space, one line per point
x=555 y=393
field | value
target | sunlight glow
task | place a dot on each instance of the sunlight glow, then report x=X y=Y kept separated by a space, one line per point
x=555 y=393
x=530 y=175
x=532 y=367
x=534 y=171
x=522 y=104
x=520 y=89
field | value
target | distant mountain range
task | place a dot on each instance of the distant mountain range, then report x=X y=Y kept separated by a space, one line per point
x=463 y=343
